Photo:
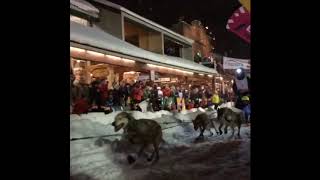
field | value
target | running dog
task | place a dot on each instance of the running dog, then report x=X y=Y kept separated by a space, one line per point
x=203 y=122
x=229 y=117
x=142 y=131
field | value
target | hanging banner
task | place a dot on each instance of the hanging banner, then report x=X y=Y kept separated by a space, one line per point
x=246 y=4
x=240 y=24
x=233 y=63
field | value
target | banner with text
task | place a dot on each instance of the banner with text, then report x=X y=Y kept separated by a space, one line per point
x=233 y=63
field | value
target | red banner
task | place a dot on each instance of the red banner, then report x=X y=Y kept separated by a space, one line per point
x=239 y=23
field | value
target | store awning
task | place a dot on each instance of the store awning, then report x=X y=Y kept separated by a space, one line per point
x=97 y=38
x=85 y=7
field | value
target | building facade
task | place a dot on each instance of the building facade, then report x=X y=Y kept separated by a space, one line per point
x=203 y=43
x=110 y=42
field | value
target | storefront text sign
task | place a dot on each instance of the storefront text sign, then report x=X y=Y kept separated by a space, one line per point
x=152 y=74
x=164 y=79
x=232 y=63
x=143 y=77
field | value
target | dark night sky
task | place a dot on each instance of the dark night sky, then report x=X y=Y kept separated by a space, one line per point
x=212 y=13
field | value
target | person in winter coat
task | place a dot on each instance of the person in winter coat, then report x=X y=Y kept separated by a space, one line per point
x=247 y=108
x=215 y=100
x=81 y=106
x=116 y=95
x=126 y=91
x=166 y=94
x=103 y=88
x=241 y=87
x=190 y=104
x=146 y=92
x=94 y=94
x=154 y=98
x=137 y=95
x=161 y=97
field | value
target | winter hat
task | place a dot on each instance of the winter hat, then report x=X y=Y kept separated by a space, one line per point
x=245 y=98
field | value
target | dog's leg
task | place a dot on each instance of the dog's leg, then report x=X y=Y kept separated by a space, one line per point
x=232 y=128
x=155 y=152
x=239 y=126
x=201 y=132
x=214 y=127
x=141 y=150
x=152 y=155
x=211 y=133
x=226 y=128
x=220 y=126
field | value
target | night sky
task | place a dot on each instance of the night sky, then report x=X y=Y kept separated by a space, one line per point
x=211 y=13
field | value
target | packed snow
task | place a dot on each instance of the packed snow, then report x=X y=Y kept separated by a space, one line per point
x=105 y=158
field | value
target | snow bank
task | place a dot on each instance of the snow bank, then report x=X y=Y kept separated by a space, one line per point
x=180 y=158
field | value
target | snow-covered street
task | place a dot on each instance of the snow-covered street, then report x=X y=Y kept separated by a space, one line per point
x=217 y=157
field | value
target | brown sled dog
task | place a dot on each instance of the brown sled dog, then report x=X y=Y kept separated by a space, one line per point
x=142 y=131
x=203 y=122
x=228 y=117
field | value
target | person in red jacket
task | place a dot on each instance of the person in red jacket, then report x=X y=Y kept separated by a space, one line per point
x=81 y=106
x=137 y=95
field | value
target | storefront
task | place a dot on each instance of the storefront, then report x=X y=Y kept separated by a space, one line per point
x=99 y=55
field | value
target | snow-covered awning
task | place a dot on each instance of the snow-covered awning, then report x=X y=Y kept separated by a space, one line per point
x=85 y=7
x=95 y=37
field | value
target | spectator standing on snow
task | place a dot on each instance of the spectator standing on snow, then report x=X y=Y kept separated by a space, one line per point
x=154 y=98
x=246 y=107
x=81 y=106
x=103 y=88
x=116 y=95
x=137 y=95
x=166 y=94
x=215 y=100
x=126 y=93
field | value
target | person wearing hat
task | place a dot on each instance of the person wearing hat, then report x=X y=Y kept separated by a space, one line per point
x=215 y=100
x=241 y=87
x=247 y=108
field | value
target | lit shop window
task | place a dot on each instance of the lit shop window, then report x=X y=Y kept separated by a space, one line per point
x=80 y=70
x=79 y=20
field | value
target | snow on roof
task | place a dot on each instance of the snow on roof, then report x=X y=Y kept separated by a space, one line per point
x=96 y=37
x=84 y=5
x=116 y=6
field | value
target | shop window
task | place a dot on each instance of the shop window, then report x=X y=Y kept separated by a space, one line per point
x=80 y=70
x=142 y=36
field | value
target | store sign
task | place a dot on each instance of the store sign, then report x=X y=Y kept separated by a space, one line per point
x=232 y=63
x=143 y=77
x=164 y=79
x=152 y=75
x=174 y=79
